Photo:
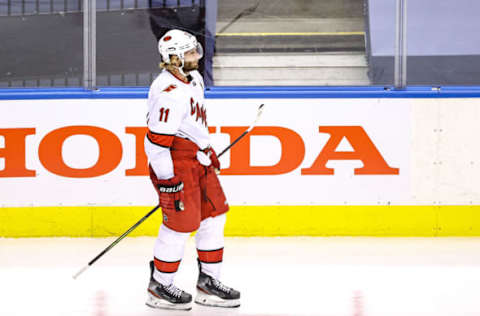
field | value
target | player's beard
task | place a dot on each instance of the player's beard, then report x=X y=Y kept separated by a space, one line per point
x=190 y=66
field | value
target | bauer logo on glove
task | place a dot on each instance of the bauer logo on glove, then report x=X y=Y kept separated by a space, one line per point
x=171 y=189
x=171 y=194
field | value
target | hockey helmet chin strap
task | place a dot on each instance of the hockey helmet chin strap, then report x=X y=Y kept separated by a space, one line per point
x=180 y=68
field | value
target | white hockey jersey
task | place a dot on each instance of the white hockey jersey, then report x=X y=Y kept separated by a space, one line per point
x=175 y=108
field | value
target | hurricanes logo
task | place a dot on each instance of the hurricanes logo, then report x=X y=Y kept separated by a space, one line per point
x=201 y=112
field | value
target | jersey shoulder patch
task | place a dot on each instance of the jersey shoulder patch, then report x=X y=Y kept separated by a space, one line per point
x=170 y=88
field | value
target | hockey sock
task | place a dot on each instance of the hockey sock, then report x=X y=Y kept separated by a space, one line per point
x=168 y=253
x=210 y=241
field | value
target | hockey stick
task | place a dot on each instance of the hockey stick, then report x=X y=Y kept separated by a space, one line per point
x=259 y=113
x=113 y=244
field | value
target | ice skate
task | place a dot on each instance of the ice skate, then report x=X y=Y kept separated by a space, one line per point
x=166 y=297
x=211 y=292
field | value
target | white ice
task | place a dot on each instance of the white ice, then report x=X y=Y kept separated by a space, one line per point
x=276 y=276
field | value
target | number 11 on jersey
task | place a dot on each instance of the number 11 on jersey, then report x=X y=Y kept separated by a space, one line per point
x=162 y=111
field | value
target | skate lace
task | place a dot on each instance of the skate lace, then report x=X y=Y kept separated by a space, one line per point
x=173 y=290
x=220 y=286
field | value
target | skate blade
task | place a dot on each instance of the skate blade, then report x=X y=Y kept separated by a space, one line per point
x=215 y=301
x=155 y=302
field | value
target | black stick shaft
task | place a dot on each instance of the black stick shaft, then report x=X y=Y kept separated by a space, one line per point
x=234 y=142
x=123 y=236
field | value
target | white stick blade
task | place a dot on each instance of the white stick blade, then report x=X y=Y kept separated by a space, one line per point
x=75 y=276
x=259 y=113
x=260 y=109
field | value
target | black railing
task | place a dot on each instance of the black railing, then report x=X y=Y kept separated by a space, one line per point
x=129 y=80
x=35 y=7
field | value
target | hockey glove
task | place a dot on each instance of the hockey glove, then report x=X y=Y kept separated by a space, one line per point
x=171 y=194
x=213 y=157
x=208 y=158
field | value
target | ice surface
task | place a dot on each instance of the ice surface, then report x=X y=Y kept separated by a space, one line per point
x=276 y=276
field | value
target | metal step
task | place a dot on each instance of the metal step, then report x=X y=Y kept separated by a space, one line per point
x=290 y=69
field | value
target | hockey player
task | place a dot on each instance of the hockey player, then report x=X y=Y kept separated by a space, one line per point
x=183 y=171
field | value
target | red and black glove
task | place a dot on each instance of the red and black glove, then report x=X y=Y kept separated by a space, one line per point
x=171 y=194
x=213 y=157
